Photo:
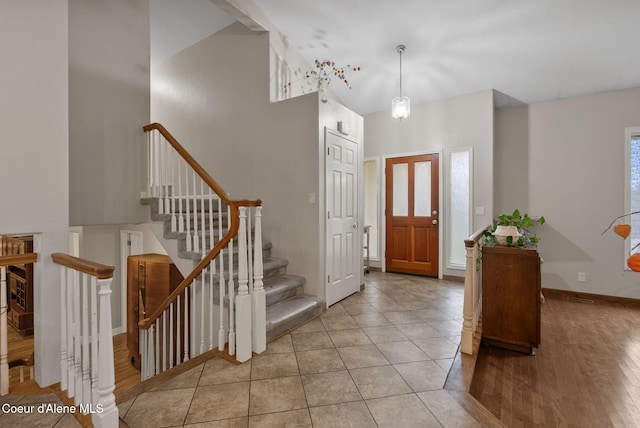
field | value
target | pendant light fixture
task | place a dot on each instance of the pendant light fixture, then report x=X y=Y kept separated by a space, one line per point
x=400 y=106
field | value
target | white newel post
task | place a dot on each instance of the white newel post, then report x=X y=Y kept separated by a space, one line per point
x=107 y=411
x=243 y=301
x=4 y=365
x=466 y=338
x=259 y=316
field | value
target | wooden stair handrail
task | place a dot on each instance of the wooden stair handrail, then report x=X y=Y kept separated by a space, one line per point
x=89 y=267
x=18 y=259
x=471 y=241
x=190 y=160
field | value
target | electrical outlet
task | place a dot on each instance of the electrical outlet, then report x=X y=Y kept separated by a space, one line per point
x=582 y=277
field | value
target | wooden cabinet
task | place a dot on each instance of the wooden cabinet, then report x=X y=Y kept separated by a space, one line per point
x=511 y=297
x=150 y=280
x=20 y=282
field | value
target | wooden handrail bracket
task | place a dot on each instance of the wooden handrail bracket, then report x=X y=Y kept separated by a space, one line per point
x=98 y=270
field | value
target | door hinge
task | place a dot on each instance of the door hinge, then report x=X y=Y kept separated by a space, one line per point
x=328 y=151
x=328 y=215
x=328 y=278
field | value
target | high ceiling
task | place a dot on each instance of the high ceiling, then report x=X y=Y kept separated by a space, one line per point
x=531 y=50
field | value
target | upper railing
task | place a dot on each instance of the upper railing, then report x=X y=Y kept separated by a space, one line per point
x=87 y=371
x=7 y=260
x=208 y=309
x=472 y=308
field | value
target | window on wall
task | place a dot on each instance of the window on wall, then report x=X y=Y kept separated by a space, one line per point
x=632 y=197
x=371 y=205
x=459 y=224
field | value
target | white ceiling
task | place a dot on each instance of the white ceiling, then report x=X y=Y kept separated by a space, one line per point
x=531 y=50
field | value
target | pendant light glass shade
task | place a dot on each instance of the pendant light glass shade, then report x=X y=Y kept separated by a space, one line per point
x=400 y=106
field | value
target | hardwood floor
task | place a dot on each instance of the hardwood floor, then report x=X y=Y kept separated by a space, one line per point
x=21 y=347
x=586 y=372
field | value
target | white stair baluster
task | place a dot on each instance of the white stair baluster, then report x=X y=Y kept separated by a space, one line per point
x=171 y=350
x=202 y=306
x=185 y=357
x=63 y=328
x=204 y=247
x=179 y=195
x=232 y=294
x=187 y=203
x=157 y=367
x=249 y=252
x=149 y=165
x=178 y=336
x=164 y=342
x=196 y=240
x=158 y=172
x=86 y=379
x=165 y=172
x=172 y=166
x=259 y=316
x=243 y=300
x=212 y=271
x=77 y=338
x=192 y=345
x=94 y=340
x=70 y=348
x=106 y=377
x=221 y=285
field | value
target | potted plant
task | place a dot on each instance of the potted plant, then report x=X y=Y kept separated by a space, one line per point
x=513 y=230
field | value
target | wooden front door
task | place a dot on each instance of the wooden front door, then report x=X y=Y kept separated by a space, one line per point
x=412 y=214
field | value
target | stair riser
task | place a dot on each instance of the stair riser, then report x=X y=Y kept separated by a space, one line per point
x=278 y=330
x=272 y=299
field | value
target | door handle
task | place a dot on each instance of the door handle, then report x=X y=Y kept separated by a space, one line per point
x=355 y=225
x=435 y=212
x=434 y=221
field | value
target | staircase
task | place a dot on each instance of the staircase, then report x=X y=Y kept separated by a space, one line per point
x=287 y=305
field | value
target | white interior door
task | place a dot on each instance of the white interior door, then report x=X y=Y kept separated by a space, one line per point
x=344 y=248
x=130 y=245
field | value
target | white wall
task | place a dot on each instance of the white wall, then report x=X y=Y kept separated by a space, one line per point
x=214 y=98
x=576 y=180
x=108 y=106
x=512 y=160
x=464 y=121
x=34 y=162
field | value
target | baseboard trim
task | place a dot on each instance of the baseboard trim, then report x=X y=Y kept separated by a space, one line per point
x=602 y=297
x=453 y=278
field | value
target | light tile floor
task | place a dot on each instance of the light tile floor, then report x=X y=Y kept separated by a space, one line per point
x=378 y=358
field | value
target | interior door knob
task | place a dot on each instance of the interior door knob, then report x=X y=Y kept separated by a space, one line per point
x=434 y=221
x=355 y=225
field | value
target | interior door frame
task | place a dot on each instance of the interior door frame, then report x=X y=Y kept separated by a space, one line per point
x=324 y=230
x=441 y=205
x=124 y=254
